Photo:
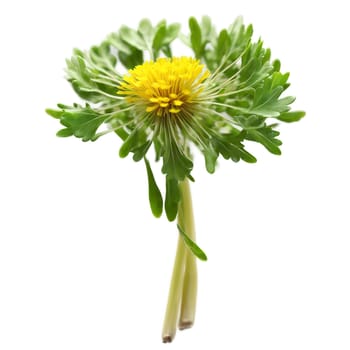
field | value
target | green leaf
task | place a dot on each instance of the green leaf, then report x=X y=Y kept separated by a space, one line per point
x=163 y=37
x=230 y=147
x=130 y=61
x=195 y=37
x=115 y=125
x=291 y=117
x=154 y=194
x=248 y=121
x=198 y=252
x=273 y=107
x=54 y=113
x=167 y=51
x=65 y=132
x=172 y=198
x=65 y=107
x=266 y=100
x=172 y=33
x=90 y=73
x=132 y=37
x=146 y=31
x=82 y=122
x=115 y=40
x=185 y=39
x=211 y=157
x=267 y=137
x=140 y=151
x=159 y=36
x=102 y=56
x=276 y=65
x=247 y=90
x=175 y=163
x=129 y=144
x=223 y=44
x=207 y=29
x=228 y=46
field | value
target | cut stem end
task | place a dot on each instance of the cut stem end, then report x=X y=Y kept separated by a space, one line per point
x=185 y=325
x=167 y=339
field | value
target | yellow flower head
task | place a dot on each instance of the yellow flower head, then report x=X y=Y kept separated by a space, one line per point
x=215 y=101
x=166 y=87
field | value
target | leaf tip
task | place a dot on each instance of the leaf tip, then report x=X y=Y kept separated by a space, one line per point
x=53 y=113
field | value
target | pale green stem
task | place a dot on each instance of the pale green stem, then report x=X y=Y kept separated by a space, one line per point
x=189 y=294
x=175 y=293
x=183 y=286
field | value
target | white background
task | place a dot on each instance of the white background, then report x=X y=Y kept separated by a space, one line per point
x=84 y=265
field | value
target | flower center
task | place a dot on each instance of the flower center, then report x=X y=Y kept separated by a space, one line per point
x=167 y=86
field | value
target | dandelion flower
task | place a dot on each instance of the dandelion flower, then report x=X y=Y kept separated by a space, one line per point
x=217 y=101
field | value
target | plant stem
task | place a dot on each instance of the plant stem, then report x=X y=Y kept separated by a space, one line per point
x=175 y=293
x=189 y=293
x=183 y=287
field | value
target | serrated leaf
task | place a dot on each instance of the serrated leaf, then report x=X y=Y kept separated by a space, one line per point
x=86 y=71
x=267 y=102
x=154 y=194
x=267 y=137
x=255 y=66
x=131 y=37
x=115 y=40
x=230 y=147
x=175 y=163
x=83 y=123
x=172 y=198
x=102 y=56
x=273 y=108
x=240 y=37
x=279 y=79
x=198 y=252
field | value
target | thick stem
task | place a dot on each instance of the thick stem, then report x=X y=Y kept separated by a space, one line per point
x=183 y=287
x=175 y=293
x=189 y=294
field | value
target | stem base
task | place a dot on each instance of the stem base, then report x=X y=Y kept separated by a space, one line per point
x=181 y=307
